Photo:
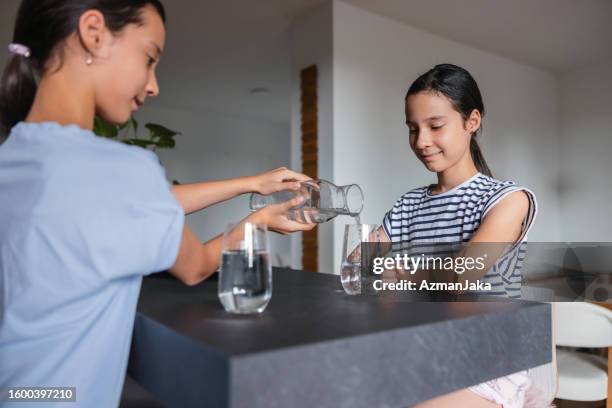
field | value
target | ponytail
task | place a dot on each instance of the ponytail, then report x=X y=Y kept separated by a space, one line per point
x=477 y=156
x=17 y=90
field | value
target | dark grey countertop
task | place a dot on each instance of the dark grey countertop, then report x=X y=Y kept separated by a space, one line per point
x=314 y=346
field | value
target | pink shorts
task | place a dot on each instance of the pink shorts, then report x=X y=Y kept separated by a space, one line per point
x=512 y=391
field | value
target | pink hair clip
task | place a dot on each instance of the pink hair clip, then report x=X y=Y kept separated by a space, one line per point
x=19 y=49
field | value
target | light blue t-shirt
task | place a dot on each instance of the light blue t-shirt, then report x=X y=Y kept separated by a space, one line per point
x=82 y=219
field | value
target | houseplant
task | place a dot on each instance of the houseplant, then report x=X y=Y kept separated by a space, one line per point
x=159 y=137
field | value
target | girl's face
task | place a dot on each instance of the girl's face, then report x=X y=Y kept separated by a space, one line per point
x=126 y=66
x=439 y=136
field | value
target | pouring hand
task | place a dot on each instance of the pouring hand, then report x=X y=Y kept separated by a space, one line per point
x=275 y=217
x=278 y=180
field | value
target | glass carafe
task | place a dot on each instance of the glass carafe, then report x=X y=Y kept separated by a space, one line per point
x=322 y=201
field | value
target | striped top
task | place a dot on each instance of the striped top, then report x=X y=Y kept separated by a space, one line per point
x=438 y=225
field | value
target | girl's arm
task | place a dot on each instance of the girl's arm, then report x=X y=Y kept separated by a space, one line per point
x=197 y=196
x=503 y=223
x=196 y=261
x=499 y=230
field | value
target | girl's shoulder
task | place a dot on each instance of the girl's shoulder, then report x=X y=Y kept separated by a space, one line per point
x=500 y=189
x=480 y=185
x=486 y=186
x=67 y=143
x=413 y=195
x=480 y=189
x=70 y=153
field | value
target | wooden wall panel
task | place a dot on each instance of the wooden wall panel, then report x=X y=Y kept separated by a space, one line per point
x=310 y=156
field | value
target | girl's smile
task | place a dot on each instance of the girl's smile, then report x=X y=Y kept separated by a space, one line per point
x=430 y=156
x=136 y=104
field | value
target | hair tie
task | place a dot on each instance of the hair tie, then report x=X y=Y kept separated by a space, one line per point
x=19 y=49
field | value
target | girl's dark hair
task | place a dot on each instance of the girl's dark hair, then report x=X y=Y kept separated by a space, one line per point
x=41 y=26
x=461 y=89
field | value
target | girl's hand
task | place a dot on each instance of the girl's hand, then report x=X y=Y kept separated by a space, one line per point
x=275 y=217
x=278 y=180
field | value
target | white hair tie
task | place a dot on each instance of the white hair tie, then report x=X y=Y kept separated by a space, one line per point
x=19 y=49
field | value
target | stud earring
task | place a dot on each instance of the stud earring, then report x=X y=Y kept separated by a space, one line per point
x=89 y=59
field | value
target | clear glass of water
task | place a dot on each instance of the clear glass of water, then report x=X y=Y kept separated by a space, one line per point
x=245 y=276
x=350 y=270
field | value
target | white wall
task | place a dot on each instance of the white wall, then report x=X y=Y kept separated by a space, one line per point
x=311 y=44
x=586 y=146
x=215 y=146
x=376 y=59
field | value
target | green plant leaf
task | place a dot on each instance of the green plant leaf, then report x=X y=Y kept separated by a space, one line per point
x=162 y=136
x=134 y=125
x=158 y=131
x=140 y=142
x=159 y=136
x=104 y=129
x=123 y=126
x=165 y=143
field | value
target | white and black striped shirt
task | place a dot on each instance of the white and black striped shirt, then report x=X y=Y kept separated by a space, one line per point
x=421 y=221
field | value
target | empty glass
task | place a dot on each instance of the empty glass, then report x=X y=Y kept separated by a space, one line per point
x=245 y=276
x=353 y=256
x=322 y=201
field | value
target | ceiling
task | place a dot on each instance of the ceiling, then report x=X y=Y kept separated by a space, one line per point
x=557 y=35
x=218 y=50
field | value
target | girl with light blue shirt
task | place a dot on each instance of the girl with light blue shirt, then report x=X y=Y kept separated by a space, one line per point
x=83 y=218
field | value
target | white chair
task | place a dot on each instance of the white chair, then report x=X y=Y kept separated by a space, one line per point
x=582 y=376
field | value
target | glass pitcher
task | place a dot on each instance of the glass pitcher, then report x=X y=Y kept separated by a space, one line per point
x=322 y=201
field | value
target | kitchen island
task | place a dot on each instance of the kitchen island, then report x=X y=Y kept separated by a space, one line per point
x=314 y=346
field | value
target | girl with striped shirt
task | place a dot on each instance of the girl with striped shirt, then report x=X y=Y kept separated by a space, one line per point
x=444 y=110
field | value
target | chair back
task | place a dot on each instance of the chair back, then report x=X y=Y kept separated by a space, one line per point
x=583 y=324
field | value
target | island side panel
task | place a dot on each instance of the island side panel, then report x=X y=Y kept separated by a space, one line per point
x=397 y=367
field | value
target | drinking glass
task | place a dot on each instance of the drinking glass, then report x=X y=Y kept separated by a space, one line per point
x=353 y=256
x=245 y=276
